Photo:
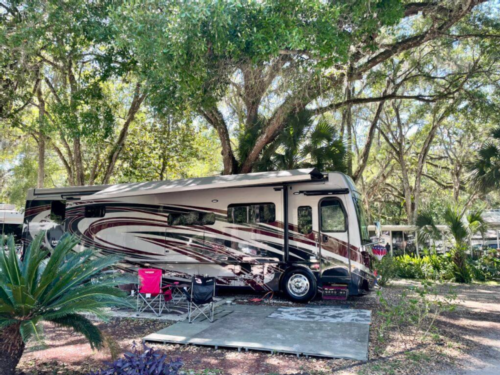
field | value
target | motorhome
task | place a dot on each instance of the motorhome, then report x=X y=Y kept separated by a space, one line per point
x=300 y=231
x=11 y=222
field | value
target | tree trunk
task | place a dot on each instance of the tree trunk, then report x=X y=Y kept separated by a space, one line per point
x=120 y=142
x=456 y=181
x=11 y=349
x=407 y=192
x=363 y=159
x=347 y=117
x=41 y=137
x=41 y=160
x=214 y=117
x=79 y=168
x=271 y=131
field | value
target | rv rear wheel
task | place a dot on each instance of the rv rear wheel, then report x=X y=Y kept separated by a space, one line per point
x=300 y=285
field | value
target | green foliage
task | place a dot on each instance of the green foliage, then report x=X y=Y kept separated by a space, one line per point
x=168 y=149
x=18 y=167
x=57 y=289
x=202 y=42
x=409 y=267
x=486 y=167
x=426 y=224
x=303 y=143
x=458 y=229
x=486 y=267
x=460 y=266
x=413 y=316
x=453 y=266
x=386 y=270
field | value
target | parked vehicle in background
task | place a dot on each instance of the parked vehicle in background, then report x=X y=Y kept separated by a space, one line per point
x=299 y=231
x=11 y=222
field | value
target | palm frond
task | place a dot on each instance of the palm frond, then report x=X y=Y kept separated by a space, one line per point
x=56 y=289
x=31 y=328
x=81 y=325
x=77 y=276
x=485 y=170
x=427 y=229
x=453 y=219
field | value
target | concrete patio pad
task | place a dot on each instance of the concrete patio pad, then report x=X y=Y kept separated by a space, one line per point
x=280 y=330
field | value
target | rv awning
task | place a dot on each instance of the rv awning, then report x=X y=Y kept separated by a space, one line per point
x=217 y=182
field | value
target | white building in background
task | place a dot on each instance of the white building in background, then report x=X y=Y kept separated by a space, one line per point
x=492 y=237
x=402 y=239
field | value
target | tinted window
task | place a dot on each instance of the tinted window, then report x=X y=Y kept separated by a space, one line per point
x=191 y=218
x=251 y=213
x=58 y=211
x=332 y=216
x=95 y=211
x=304 y=214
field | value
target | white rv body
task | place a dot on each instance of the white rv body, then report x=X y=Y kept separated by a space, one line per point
x=245 y=230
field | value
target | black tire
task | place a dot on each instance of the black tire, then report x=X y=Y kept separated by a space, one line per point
x=299 y=285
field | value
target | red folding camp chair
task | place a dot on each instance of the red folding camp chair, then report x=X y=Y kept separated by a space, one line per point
x=151 y=295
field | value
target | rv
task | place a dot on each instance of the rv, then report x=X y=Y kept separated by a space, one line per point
x=299 y=231
x=11 y=222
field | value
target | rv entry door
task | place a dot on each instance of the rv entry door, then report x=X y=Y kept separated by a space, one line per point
x=333 y=238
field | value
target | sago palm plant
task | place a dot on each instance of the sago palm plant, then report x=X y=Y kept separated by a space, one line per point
x=58 y=288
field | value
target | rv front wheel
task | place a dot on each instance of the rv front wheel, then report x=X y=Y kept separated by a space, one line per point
x=300 y=285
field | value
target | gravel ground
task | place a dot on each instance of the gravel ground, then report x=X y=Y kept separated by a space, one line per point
x=462 y=341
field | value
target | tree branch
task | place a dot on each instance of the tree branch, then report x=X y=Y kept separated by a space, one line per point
x=118 y=146
x=363 y=160
x=215 y=118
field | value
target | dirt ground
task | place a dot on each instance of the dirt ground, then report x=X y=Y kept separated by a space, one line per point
x=466 y=340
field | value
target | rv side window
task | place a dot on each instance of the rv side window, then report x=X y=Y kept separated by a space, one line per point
x=332 y=216
x=191 y=218
x=58 y=211
x=95 y=211
x=304 y=214
x=251 y=213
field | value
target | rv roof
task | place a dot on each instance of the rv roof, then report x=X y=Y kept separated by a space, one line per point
x=217 y=182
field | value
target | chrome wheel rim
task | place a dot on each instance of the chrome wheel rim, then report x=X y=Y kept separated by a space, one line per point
x=298 y=285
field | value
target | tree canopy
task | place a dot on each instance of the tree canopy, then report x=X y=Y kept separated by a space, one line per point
x=401 y=95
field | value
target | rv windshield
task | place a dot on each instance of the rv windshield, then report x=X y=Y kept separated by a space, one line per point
x=362 y=219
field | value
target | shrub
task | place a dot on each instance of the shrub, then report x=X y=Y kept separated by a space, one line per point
x=414 y=314
x=145 y=362
x=386 y=270
x=409 y=267
x=452 y=266
x=60 y=290
x=486 y=268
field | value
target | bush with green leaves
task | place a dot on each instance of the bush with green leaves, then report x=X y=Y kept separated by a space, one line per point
x=409 y=267
x=453 y=266
x=412 y=316
x=58 y=287
x=386 y=270
x=486 y=267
